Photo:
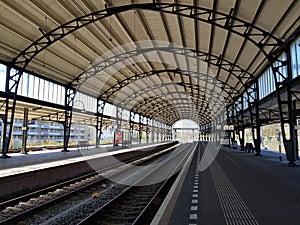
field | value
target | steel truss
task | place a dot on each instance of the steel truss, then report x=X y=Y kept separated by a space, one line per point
x=234 y=70
x=259 y=37
x=139 y=93
x=157 y=105
x=123 y=83
x=54 y=117
x=152 y=113
x=150 y=88
x=269 y=116
x=238 y=72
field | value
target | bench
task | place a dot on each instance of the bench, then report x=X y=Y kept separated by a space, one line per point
x=82 y=145
x=249 y=148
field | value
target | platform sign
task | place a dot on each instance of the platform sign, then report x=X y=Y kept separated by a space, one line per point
x=225 y=139
x=118 y=137
x=228 y=127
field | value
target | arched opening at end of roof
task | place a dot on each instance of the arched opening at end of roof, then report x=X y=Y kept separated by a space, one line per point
x=185 y=130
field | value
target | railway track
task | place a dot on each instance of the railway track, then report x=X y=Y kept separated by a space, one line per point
x=87 y=178
x=71 y=195
x=138 y=204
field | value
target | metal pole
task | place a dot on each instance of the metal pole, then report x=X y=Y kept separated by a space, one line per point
x=279 y=145
x=25 y=129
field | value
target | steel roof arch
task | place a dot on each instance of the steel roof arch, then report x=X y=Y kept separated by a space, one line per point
x=217 y=61
x=215 y=107
x=51 y=37
x=155 y=86
x=105 y=96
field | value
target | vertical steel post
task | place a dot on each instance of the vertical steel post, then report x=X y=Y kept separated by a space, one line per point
x=11 y=88
x=99 y=125
x=24 y=129
x=241 y=126
x=119 y=116
x=152 y=131
x=69 y=101
x=5 y=136
x=141 y=122
x=253 y=95
x=148 y=129
x=291 y=144
x=131 y=126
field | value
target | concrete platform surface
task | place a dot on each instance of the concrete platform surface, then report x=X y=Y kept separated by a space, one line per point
x=37 y=160
x=239 y=188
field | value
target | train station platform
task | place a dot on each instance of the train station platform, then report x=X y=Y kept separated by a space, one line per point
x=22 y=174
x=37 y=160
x=239 y=188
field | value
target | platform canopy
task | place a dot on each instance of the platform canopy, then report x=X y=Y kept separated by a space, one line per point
x=164 y=59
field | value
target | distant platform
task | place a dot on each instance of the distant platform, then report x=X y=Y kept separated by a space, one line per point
x=37 y=160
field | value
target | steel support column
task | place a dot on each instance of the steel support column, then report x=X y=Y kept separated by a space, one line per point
x=99 y=125
x=24 y=129
x=282 y=71
x=11 y=87
x=153 y=131
x=147 y=135
x=234 y=123
x=148 y=129
x=69 y=101
x=141 y=124
x=240 y=124
x=119 y=114
x=158 y=131
x=229 y=118
x=131 y=126
x=253 y=96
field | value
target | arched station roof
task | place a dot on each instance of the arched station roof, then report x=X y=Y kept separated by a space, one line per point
x=200 y=52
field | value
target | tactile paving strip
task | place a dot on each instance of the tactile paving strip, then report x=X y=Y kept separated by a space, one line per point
x=234 y=208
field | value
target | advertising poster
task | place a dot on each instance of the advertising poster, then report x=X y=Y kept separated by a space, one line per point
x=118 y=137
